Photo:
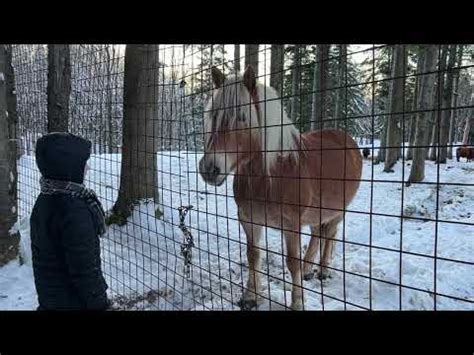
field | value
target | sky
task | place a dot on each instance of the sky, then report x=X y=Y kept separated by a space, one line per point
x=174 y=54
x=185 y=59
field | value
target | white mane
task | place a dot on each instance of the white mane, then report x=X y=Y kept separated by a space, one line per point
x=276 y=132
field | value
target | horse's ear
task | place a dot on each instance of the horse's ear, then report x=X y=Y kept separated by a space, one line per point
x=250 y=81
x=217 y=77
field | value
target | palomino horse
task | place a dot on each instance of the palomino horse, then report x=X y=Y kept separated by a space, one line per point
x=283 y=179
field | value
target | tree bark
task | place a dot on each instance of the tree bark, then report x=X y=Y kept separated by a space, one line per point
x=251 y=57
x=59 y=87
x=434 y=139
x=276 y=67
x=470 y=119
x=383 y=142
x=411 y=139
x=237 y=58
x=467 y=129
x=396 y=108
x=437 y=114
x=414 y=108
x=466 y=99
x=109 y=67
x=446 y=103
x=341 y=81
x=8 y=153
x=429 y=55
x=138 y=178
x=319 y=87
x=454 y=103
x=295 y=82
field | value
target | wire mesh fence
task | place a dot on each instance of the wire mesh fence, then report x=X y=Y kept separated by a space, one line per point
x=212 y=171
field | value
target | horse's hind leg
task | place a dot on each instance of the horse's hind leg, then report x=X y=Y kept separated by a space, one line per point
x=311 y=253
x=253 y=233
x=329 y=235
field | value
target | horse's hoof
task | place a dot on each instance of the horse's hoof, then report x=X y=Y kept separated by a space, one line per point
x=324 y=274
x=247 y=304
x=297 y=306
x=308 y=276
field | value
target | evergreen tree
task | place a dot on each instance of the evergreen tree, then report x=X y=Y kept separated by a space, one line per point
x=354 y=104
x=377 y=75
x=201 y=87
x=353 y=108
x=303 y=100
x=208 y=56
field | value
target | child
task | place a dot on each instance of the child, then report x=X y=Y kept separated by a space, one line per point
x=66 y=223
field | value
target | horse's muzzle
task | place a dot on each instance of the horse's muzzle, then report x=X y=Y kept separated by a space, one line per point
x=210 y=172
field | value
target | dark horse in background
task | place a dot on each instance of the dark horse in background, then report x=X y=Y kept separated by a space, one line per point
x=465 y=152
x=366 y=152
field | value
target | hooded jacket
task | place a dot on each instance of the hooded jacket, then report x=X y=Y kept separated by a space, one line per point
x=64 y=240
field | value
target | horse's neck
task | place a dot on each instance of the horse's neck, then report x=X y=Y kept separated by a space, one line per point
x=252 y=165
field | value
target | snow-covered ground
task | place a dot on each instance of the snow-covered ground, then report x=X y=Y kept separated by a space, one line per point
x=144 y=255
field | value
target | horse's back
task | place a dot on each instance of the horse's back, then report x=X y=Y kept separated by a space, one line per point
x=333 y=150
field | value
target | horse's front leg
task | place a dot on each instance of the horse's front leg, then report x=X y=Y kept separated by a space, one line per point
x=253 y=233
x=293 y=261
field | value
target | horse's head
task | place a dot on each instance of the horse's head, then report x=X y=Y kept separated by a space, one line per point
x=231 y=125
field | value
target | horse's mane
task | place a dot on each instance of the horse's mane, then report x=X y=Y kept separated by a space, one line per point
x=273 y=129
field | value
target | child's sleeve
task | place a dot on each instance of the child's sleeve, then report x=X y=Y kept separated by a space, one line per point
x=82 y=255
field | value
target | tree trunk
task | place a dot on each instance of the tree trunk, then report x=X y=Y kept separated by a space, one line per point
x=465 y=99
x=411 y=139
x=59 y=87
x=109 y=103
x=383 y=142
x=470 y=119
x=429 y=55
x=454 y=103
x=251 y=57
x=396 y=108
x=138 y=178
x=8 y=153
x=467 y=129
x=437 y=113
x=295 y=82
x=319 y=87
x=237 y=58
x=341 y=92
x=276 y=67
x=446 y=102
x=386 y=104
x=434 y=139
x=414 y=108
